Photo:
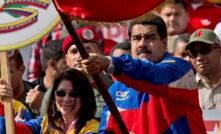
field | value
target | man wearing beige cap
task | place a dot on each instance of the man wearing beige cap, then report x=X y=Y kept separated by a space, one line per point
x=205 y=55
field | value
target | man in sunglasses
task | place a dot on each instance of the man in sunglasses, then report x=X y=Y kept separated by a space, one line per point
x=205 y=55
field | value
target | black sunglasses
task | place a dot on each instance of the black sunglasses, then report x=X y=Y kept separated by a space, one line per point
x=202 y=49
x=61 y=93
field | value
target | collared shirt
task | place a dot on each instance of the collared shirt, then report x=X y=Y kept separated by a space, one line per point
x=209 y=97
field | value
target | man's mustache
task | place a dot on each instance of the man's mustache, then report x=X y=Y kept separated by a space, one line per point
x=143 y=50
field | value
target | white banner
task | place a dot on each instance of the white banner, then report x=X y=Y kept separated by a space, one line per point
x=22 y=22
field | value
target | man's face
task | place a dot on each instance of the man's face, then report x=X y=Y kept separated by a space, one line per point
x=205 y=58
x=16 y=75
x=180 y=51
x=146 y=43
x=73 y=56
x=175 y=17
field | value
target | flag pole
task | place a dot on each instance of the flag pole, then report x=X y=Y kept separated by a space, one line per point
x=99 y=82
x=8 y=111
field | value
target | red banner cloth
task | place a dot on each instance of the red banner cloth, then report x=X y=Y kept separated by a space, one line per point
x=106 y=10
x=1 y=109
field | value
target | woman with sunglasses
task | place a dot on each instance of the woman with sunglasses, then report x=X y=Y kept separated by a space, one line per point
x=71 y=107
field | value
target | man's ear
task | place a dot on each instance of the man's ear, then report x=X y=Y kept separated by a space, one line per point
x=66 y=59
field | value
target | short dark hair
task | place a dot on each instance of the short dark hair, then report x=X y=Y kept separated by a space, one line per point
x=84 y=88
x=151 y=19
x=125 y=45
x=51 y=51
x=182 y=3
x=182 y=37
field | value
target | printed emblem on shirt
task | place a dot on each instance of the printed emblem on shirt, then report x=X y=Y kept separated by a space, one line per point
x=205 y=22
x=122 y=95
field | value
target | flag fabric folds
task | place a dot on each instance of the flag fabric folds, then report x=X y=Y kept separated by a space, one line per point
x=106 y=10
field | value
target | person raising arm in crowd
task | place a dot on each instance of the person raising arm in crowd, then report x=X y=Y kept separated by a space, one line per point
x=160 y=95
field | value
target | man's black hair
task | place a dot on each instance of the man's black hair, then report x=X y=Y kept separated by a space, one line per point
x=52 y=51
x=151 y=19
x=125 y=45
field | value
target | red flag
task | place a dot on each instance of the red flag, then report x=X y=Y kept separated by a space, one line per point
x=106 y=10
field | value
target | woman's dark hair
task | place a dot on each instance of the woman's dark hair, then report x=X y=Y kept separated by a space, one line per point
x=150 y=19
x=82 y=85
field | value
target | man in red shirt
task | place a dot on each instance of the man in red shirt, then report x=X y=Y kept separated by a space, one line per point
x=202 y=14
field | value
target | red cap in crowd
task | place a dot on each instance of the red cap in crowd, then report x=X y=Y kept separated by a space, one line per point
x=86 y=34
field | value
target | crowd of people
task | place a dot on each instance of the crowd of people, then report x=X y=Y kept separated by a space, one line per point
x=161 y=78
